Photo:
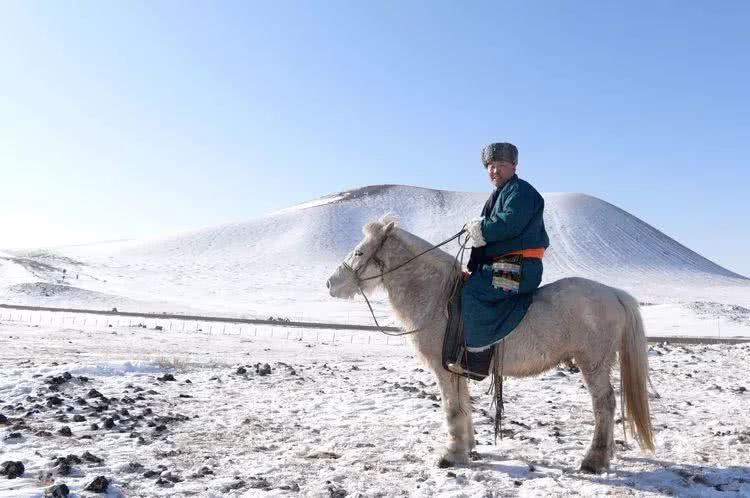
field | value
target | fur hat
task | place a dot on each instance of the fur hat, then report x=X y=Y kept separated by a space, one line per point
x=502 y=151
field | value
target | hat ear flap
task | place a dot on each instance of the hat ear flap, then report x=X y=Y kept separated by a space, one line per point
x=388 y=227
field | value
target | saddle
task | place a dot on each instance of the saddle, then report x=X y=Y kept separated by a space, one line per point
x=456 y=358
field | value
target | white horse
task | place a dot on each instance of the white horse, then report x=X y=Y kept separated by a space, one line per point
x=570 y=318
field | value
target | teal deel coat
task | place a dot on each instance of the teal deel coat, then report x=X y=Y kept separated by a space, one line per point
x=515 y=221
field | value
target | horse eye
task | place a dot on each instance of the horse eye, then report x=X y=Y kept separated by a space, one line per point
x=358 y=253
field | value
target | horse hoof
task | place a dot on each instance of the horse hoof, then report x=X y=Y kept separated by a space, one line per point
x=444 y=463
x=590 y=467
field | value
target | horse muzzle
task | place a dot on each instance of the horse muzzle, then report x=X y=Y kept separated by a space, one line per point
x=341 y=284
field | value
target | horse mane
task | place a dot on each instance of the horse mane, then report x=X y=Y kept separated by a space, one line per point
x=417 y=244
x=435 y=266
x=413 y=243
x=444 y=266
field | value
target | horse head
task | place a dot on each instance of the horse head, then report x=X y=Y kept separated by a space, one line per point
x=364 y=263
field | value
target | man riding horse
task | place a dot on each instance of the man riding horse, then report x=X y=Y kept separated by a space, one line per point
x=572 y=317
x=508 y=242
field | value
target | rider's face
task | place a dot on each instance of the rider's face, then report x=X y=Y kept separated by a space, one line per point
x=500 y=172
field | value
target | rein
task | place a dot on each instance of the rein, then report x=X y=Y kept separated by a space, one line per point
x=380 y=263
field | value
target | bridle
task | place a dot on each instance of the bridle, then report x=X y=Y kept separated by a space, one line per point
x=381 y=264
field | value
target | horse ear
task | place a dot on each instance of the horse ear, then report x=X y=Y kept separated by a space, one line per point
x=388 y=227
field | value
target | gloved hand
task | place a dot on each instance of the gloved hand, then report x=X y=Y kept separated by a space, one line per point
x=474 y=233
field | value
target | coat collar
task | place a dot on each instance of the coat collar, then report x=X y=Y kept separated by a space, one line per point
x=510 y=180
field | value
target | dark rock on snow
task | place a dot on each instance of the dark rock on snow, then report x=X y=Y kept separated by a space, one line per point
x=13 y=437
x=92 y=458
x=57 y=491
x=265 y=369
x=98 y=485
x=12 y=469
x=54 y=401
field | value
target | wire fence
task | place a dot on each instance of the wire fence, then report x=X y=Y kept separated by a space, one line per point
x=282 y=331
x=92 y=322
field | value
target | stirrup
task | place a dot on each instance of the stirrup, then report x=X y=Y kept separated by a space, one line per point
x=475 y=366
x=456 y=368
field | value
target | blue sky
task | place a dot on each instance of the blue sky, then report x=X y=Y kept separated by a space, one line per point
x=134 y=119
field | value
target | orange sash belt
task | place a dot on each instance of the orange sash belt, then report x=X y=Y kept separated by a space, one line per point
x=535 y=252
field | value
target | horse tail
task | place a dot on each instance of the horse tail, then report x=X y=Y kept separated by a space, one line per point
x=634 y=372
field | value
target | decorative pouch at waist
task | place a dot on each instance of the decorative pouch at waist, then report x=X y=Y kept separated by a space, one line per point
x=506 y=272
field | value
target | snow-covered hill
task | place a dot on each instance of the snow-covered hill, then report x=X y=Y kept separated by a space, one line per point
x=277 y=264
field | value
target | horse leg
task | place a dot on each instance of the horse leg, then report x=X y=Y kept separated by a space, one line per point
x=469 y=425
x=603 y=397
x=457 y=408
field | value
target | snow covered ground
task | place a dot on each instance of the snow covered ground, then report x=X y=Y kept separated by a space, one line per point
x=337 y=419
x=272 y=411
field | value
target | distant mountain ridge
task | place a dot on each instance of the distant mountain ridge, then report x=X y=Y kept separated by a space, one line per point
x=289 y=253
